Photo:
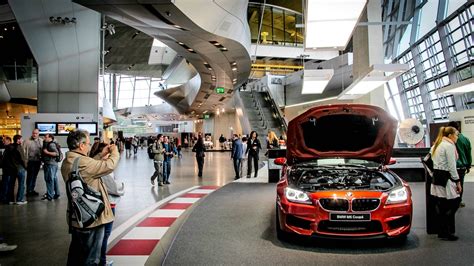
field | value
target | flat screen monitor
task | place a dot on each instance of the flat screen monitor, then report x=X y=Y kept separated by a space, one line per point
x=46 y=128
x=90 y=127
x=65 y=128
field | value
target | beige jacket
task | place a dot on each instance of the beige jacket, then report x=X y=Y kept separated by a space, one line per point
x=91 y=171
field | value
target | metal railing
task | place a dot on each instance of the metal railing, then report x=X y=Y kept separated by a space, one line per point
x=276 y=108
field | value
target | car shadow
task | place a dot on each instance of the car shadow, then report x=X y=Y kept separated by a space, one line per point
x=339 y=246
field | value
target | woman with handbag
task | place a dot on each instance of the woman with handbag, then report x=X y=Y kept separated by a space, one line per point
x=446 y=185
x=199 y=149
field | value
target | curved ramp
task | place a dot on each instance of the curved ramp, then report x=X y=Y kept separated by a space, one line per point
x=212 y=36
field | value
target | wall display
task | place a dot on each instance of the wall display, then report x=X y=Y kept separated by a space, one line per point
x=90 y=127
x=65 y=128
x=46 y=128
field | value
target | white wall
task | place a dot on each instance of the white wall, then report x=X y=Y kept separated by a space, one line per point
x=28 y=123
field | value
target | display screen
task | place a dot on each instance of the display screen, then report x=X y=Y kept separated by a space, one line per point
x=90 y=127
x=65 y=128
x=46 y=128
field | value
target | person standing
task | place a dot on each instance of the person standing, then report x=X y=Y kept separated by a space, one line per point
x=236 y=155
x=50 y=167
x=200 y=150
x=444 y=156
x=32 y=150
x=7 y=173
x=86 y=243
x=253 y=149
x=221 y=141
x=158 y=158
x=135 y=145
x=464 y=162
x=14 y=166
x=168 y=154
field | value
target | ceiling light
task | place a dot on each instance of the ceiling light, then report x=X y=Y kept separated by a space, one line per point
x=316 y=80
x=157 y=43
x=327 y=17
x=376 y=76
x=234 y=68
x=180 y=43
x=460 y=87
x=234 y=63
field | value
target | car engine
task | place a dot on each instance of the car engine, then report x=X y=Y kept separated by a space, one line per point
x=340 y=178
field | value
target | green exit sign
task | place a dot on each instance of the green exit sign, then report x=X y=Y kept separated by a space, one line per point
x=220 y=90
x=206 y=116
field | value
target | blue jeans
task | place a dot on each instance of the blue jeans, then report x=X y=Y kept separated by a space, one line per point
x=107 y=232
x=166 y=170
x=21 y=186
x=6 y=180
x=51 y=179
x=85 y=246
x=237 y=163
x=32 y=173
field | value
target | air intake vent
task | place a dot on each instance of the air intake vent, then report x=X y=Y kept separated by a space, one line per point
x=221 y=99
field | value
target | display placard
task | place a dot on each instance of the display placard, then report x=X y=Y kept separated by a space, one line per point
x=65 y=128
x=91 y=127
x=46 y=128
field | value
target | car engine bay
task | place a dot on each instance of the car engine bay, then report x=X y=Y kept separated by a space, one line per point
x=340 y=178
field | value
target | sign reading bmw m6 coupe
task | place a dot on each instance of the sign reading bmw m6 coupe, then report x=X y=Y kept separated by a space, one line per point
x=335 y=183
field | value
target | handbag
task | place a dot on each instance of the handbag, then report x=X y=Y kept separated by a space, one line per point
x=428 y=164
x=440 y=177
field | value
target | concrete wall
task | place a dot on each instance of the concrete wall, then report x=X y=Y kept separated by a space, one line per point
x=28 y=123
x=67 y=54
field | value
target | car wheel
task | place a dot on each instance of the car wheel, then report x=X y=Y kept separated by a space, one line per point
x=281 y=235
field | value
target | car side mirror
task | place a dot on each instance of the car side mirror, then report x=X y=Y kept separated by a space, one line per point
x=392 y=161
x=280 y=161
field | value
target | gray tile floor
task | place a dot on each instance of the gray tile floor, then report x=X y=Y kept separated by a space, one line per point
x=39 y=228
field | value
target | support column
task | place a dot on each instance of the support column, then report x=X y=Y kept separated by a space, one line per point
x=67 y=53
x=368 y=50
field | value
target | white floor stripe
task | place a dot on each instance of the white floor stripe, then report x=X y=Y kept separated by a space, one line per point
x=128 y=260
x=134 y=219
x=146 y=233
x=167 y=213
x=202 y=191
x=185 y=200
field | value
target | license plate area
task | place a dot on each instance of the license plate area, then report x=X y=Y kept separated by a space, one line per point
x=349 y=217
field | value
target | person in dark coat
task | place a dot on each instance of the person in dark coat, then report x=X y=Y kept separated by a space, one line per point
x=236 y=155
x=14 y=167
x=200 y=149
x=253 y=149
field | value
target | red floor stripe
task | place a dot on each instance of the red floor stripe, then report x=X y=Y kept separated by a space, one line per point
x=156 y=222
x=192 y=195
x=133 y=247
x=176 y=206
x=209 y=187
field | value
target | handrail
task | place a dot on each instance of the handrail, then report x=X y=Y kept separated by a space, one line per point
x=275 y=106
x=259 y=109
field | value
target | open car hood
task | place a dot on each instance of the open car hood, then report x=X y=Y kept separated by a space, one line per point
x=341 y=131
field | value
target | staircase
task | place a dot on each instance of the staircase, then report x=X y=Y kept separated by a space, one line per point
x=260 y=114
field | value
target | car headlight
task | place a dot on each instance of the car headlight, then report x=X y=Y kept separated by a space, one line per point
x=398 y=196
x=297 y=195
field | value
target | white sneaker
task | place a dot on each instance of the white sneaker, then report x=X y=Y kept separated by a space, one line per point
x=109 y=263
x=22 y=202
x=5 y=247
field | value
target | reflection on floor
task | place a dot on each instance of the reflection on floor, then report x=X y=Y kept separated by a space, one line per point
x=39 y=227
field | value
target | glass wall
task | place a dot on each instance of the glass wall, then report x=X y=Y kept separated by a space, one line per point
x=438 y=55
x=130 y=91
x=280 y=26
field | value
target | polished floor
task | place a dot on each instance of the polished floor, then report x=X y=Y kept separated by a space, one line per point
x=236 y=226
x=39 y=228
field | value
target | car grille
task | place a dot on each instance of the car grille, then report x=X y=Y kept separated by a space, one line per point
x=350 y=227
x=365 y=204
x=334 y=204
x=298 y=222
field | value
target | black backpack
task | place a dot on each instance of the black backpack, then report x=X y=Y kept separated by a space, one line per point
x=151 y=155
x=85 y=204
x=60 y=156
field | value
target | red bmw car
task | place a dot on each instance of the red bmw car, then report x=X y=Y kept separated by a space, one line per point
x=335 y=183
